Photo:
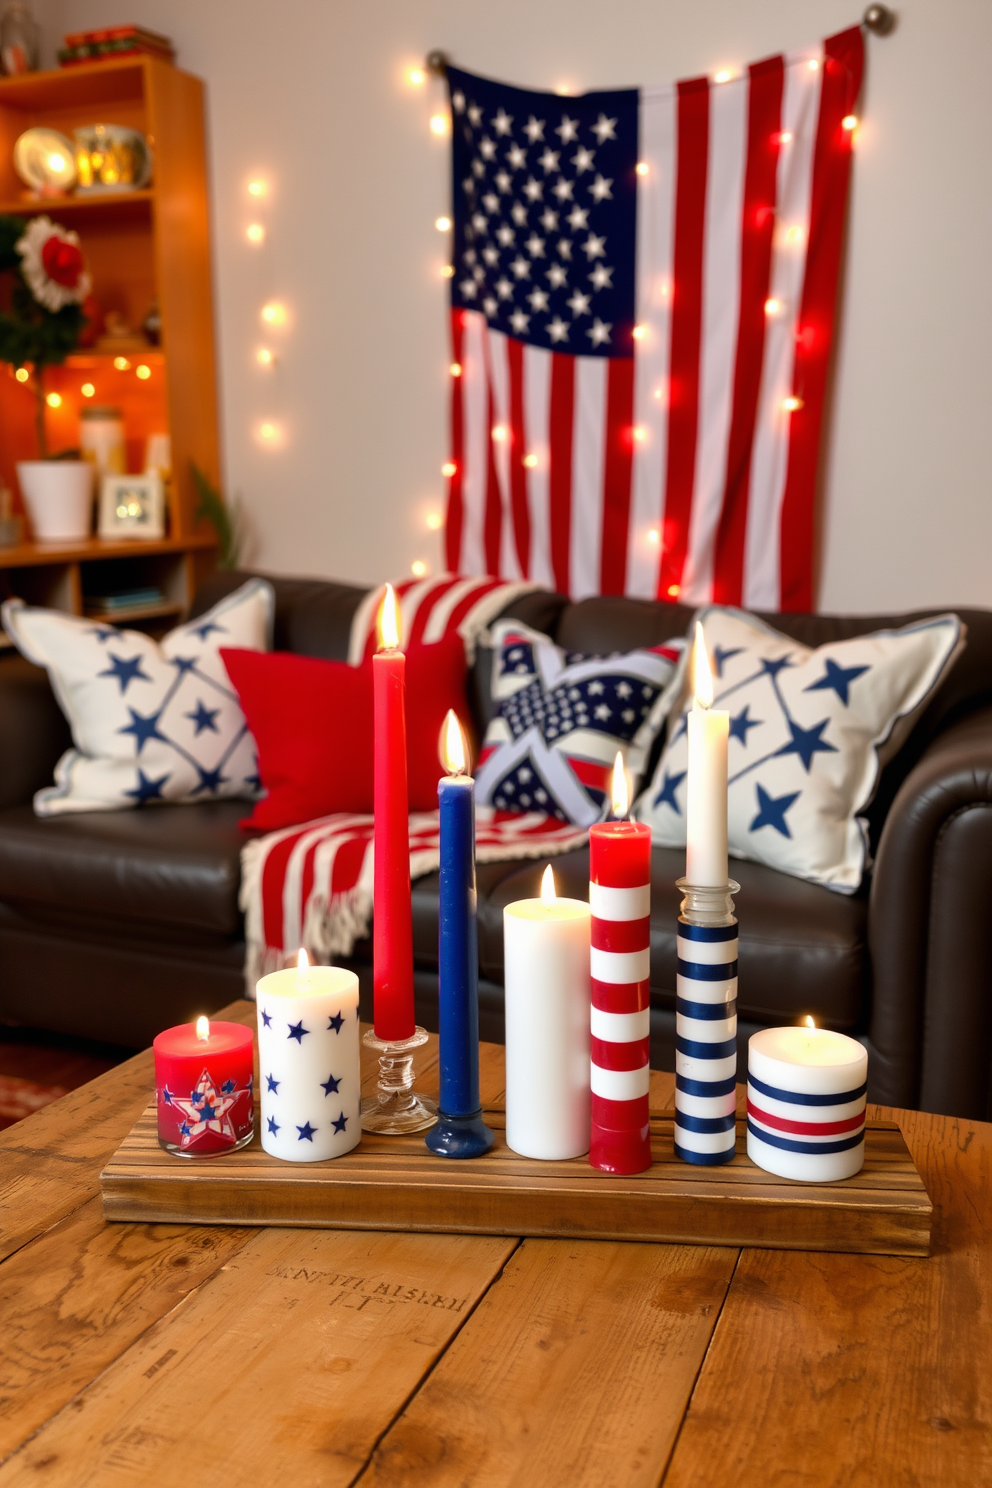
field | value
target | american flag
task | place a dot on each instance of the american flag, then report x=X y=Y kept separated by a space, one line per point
x=642 y=315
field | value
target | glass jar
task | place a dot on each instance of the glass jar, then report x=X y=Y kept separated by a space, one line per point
x=19 y=36
x=101 y=439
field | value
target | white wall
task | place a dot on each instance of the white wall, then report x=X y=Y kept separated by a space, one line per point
x=311 y=94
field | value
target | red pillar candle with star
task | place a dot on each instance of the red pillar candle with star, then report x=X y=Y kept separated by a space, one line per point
x=204 y=1088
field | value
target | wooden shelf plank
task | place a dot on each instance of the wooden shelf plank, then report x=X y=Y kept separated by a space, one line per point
x=32 y=206
x=34 y=555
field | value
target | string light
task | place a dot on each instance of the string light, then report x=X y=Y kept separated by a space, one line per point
x=773 y=307
x=849 y=122
x=448 y=469
x=455 y=369
x=794 y=235
x=530 y=461
x=418 y=568
x=792 y=404
x=416 y=77
x=255 y=233
x=87 y=390
x=654 y=536
x=435 y=521
x=143 y=372
x=642 y=167
x=439 y=125
x=814 y=65
x=54 y=400
x=447 y=271
x=264 y=357
x=274 y=314
x=499 y=433
x=257 y=188
x=658 y=393
x=639 y=332
x=443 y=224
x=121 y=363
x=785 y=137
x=640 y=433
x=22 y=374
x=673 y=591
x=564 y=90
x=269 y=433
x=723 y=76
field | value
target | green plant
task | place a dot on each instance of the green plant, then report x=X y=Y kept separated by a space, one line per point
x=43 y=317
x=227 y=521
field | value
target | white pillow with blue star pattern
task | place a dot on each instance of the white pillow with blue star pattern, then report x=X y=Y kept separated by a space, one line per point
x=563 y=717
x=809 y=733
x=151 y=720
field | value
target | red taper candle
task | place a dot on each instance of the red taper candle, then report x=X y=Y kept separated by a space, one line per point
x=620 y=900
x=392 y=927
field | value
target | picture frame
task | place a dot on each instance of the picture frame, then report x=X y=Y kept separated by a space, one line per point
x=132 y=506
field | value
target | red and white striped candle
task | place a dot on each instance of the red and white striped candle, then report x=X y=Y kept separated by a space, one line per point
x=620 y=901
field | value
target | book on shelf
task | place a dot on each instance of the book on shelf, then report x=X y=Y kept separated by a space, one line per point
x=114 y=41
x=128 y=599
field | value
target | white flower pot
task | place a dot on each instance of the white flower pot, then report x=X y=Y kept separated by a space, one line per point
x=58 y=495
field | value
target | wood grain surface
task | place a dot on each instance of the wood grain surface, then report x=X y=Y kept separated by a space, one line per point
x=133 y=1354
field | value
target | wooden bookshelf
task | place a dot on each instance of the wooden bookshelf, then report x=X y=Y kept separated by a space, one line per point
x=141 y=247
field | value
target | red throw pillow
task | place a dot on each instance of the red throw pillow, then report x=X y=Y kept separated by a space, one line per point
x=312 y=724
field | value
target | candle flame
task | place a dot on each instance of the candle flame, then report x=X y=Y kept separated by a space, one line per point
x=302 y=960
x=702 y=672
x=621 y=790
x=548 y=891
x=808 y=1022
x=203 y=1028
x=454 y=754
x=389 y=621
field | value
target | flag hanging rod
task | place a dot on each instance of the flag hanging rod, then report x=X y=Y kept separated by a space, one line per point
x=878 y=19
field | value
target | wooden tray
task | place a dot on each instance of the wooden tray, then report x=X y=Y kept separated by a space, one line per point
x=394 y=1183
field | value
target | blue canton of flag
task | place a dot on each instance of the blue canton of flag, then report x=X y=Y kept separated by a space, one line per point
x=545 y=213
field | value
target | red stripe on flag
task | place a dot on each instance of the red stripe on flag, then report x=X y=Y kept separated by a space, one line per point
x=455 y=519
x=561 y=432
x=589 y=773
x=518 y=471
x=687 y=318
x=757 y=229
x=806 y=1128
x=494 y=506
x=469 y=601
x=842 y=69
x=425 y=608
x=618 y=466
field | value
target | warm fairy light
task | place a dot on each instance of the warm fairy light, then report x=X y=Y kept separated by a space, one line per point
x=564 y=90
x=454 y=754
x=654 y=536
x=530 y=461
x=809 y=1022
x=620 y=790
x=56 y=162
x=264 y=357
x=658 y=393
x=549 y=892
x=439 y=125
x=388 y=624
x=794 y=235
x=499 y=433
x=792 y=404
x=785 y=137
x=418 y=568
x=702 y=672
x=455 y=369
x=87 y=390
x=639 y=332
x=255 y=232
x=814 y=65
x=849 y=122
x=723 y=76
x=143 y=372
x=641 y=167
x=435 y=521
x=54 y=400
x=269 y=433
x=640 y=433
x=22 y=374
x=274 y=314
x=448 y=469
x=416 y=77
x=673 y=591
x=121 y=363
x=443 y=224
x=257 y=188
x=773 y=307
x=447 y=271
x=203 y=1028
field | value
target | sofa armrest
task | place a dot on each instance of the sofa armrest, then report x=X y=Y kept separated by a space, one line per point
x=930 y=917
x=33 y=731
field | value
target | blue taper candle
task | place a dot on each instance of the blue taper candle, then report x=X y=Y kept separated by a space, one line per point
x=460 y=1130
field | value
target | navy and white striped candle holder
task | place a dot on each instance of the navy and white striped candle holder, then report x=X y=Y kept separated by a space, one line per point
x=706 y=1025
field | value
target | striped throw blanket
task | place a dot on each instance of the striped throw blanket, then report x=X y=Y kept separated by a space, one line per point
x=311 y=885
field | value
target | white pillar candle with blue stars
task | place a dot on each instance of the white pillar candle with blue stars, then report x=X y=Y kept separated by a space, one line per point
x=308 y=1062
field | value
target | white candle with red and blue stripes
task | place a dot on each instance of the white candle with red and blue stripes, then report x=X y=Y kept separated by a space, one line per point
x=806 y=1094
x=706 y=1034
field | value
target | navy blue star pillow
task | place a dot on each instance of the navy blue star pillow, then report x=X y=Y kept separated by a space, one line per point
x=809 y=733
x=151 y=720
x=561 y=719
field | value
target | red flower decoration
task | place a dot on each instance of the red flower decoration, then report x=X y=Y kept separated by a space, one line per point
x=62 y=261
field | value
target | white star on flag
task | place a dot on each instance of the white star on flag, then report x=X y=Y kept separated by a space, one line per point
x=600 y=189
x=557 y=329
x=568 y=129
x=534 y=129
x=605 y=129
x=599 y=333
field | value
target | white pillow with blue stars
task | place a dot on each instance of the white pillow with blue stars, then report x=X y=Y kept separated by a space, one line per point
x=809 y=733
x=563 y=717
x=152 y=721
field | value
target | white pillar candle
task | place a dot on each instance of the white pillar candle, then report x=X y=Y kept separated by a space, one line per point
x=806 y=1103
x=547 y=995
x=308 y=1062
x=708 y=730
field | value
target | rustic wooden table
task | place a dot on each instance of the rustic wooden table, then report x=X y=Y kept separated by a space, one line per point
x=147 y=1354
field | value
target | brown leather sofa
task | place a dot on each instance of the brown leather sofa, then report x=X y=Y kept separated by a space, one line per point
x=114 y=925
